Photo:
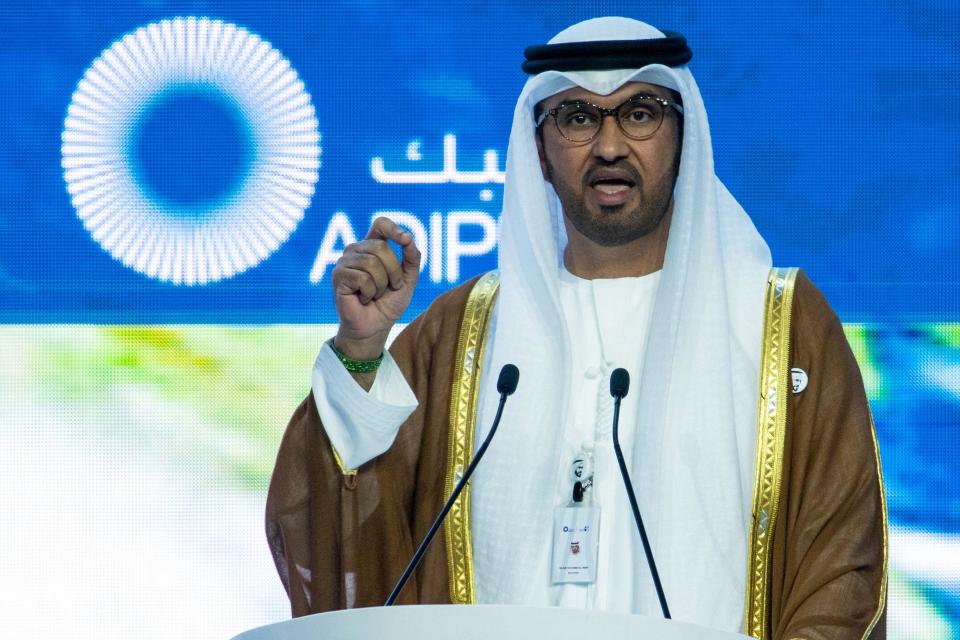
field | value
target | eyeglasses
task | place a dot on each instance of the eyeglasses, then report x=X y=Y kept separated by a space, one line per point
x=638 y=118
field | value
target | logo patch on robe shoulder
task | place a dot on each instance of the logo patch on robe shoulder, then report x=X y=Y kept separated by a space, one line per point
x=799 y=378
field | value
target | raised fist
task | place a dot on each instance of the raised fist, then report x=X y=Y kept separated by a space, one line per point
x=372 y=289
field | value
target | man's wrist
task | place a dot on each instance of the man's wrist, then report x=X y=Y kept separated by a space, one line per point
x=362 y=349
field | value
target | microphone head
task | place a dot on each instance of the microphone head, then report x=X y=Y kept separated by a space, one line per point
x=619 y=383
x=509 y=377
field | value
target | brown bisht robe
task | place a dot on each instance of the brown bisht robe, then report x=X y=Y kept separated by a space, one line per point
x=341 y=540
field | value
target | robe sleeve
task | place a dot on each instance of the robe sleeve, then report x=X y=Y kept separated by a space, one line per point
x=361 y=424
x=830 y=550
x=340 y=539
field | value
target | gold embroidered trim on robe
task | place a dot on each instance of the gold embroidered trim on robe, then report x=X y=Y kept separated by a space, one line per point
x=883 y=507
x=339 y=461
x=463 y=414
x=771 y=427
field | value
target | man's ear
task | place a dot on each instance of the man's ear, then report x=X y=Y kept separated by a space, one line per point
x=544 y=167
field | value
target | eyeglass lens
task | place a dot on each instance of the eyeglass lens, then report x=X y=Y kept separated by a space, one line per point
x=638 y=118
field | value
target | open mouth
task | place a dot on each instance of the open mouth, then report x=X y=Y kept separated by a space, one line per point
x=612 y=186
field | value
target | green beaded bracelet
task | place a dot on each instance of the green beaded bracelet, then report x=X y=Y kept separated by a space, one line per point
x=356 y=366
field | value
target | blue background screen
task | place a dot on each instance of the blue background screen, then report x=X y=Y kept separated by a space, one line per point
x=177 y=179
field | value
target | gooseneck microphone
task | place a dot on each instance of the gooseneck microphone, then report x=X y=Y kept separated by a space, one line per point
x=619 y=384
x=506 y=385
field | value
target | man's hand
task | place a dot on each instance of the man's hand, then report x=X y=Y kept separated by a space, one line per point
x=372 y=289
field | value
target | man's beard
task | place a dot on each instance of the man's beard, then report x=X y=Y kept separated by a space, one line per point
x=611 y=227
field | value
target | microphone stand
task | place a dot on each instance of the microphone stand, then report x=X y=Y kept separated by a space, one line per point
x=506 y=387
x=618 y=395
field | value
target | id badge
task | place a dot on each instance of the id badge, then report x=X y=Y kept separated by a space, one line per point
x=575 y=532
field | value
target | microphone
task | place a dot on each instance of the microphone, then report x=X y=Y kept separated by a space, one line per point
x=619 y=385
x=506 y=385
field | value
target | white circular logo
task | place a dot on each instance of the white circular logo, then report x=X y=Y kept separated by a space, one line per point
x=143 y=145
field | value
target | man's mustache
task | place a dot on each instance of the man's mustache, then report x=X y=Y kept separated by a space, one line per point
x=598 y=170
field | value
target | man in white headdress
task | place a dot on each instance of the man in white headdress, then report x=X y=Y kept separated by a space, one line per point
x=760 y=488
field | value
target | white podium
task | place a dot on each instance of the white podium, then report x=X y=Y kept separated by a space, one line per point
x=480 y=622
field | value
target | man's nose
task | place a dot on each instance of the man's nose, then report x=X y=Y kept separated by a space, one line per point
x=610 y=143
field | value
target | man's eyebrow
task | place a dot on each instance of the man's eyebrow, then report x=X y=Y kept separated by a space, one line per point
x=570 y=101
x=639 y=94
x=647 y=94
